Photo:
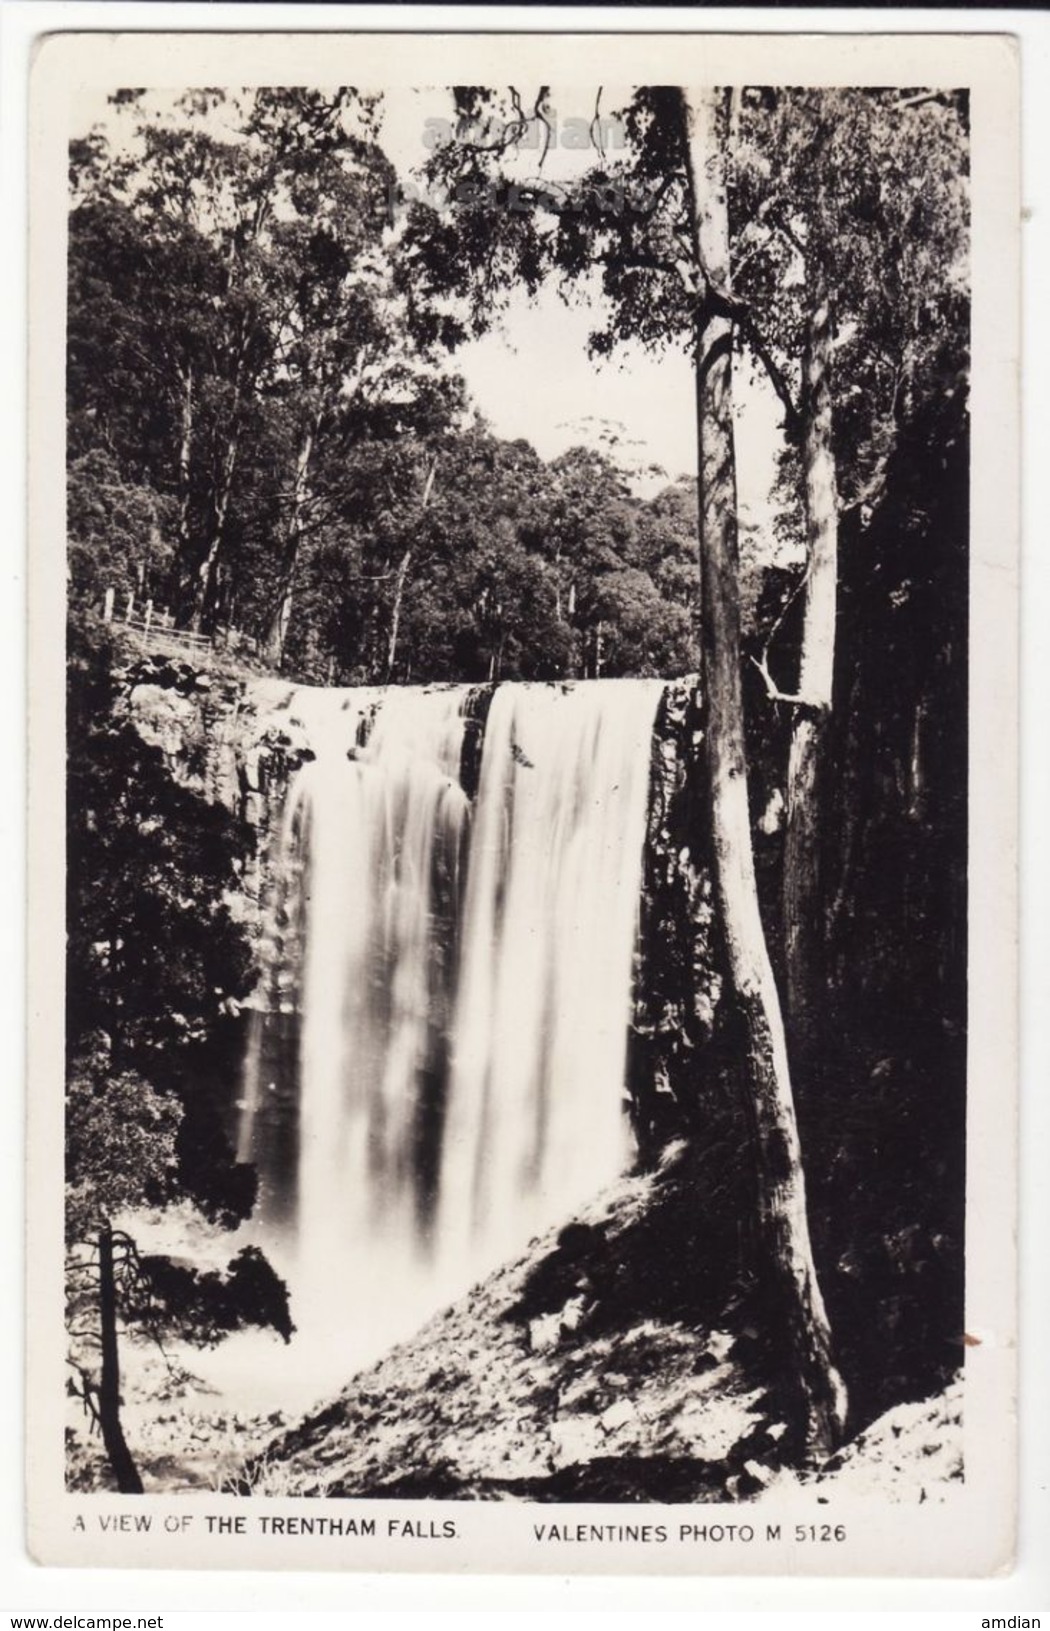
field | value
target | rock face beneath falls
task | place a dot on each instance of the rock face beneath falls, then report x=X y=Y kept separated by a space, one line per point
x=230 y=740
x=234 y=741
x=678 y=983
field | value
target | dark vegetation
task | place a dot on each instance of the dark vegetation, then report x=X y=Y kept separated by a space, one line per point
x=154 y=964
x=265 y=433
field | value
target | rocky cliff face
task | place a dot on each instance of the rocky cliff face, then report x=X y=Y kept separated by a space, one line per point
x=233 y=740
x=678 y=978
x=229 y=738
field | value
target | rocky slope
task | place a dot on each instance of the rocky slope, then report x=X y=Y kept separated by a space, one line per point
x=587 y=1371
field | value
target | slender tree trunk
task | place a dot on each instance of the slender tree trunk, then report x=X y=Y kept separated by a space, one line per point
x=402 y=578
x=576 y=657
x=204 y=588
x=395 y=616
x=277 y=632
x=803 y=904
x=124 y=1469
x=185 y=455
x=783 y=1219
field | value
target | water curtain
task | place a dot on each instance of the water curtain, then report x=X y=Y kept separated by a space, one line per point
x=437 y=1070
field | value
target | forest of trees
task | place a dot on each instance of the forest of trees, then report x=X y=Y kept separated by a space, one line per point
x=267 y=434
x=265 y=431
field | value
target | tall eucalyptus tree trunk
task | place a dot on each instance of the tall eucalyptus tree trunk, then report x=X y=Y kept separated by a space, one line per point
x=783 y=1218
x=803 y=905
x=204 y=586
x=402 y=579
x=277 y=633
x=203 y=594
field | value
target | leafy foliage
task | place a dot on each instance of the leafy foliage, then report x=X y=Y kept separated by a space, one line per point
x=154 y=957
x=228 y=286
x=506 y=574
x=119 y=531
x=120 y=1150
x=205 y=1306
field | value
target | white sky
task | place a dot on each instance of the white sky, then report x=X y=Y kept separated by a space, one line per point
x=535 y=380
x=532 y=378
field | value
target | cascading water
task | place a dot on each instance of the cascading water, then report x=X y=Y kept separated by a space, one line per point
x=438 y=1071
x=535 y=1121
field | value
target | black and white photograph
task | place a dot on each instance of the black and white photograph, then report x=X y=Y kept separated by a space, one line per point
x=525 y=586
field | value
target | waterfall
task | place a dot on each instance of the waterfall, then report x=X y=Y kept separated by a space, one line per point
x=535 y=1120
x=437 y=1072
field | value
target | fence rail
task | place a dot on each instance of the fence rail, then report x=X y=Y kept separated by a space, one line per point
x=154 y=629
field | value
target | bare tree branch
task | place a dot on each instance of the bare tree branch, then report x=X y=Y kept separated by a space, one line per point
x=772 y=690
x=596 y=124
x=753 y=339
x=539 y=112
